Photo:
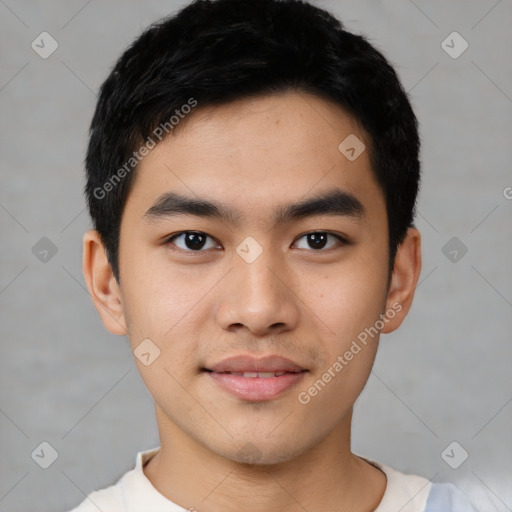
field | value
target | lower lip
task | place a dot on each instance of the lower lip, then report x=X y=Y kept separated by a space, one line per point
x=256 y=388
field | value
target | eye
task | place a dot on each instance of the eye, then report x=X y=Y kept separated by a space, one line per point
x=196 y=241
x=191 y=241
x=318 y=239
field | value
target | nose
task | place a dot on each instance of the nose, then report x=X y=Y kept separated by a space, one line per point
x=258 y=297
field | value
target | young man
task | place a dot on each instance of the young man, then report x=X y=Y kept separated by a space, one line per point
x=252 y=178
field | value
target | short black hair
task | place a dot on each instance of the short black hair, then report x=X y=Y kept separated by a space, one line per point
x=213 y=52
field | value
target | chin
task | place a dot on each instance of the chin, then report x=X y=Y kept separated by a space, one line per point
x=263 y=452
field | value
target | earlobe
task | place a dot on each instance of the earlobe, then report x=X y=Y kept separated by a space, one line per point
x=103 y=288
x=404 y=280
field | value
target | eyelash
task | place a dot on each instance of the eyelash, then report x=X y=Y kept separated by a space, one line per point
x=342 y=240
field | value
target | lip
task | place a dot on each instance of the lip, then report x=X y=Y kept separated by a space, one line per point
x=228 y=375
x=272 y=363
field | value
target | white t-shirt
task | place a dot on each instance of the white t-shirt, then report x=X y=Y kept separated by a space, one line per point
x=405 y=493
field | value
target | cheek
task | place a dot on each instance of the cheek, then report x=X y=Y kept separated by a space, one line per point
x=171 y=308
x=347 y=299
x=158 y=296
x=330 y=396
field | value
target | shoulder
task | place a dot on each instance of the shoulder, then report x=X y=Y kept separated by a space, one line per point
x=413 y=493
x=404 y=492
x=445 y=497
x=132 y=491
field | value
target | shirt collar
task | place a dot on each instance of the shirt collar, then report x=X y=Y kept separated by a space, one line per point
x=407 y=492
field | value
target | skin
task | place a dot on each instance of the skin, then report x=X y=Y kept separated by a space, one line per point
x=219 y=452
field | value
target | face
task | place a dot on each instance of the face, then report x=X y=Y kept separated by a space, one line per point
x=257 y=305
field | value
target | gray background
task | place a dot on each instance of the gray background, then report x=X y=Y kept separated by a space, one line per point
x=444 y=376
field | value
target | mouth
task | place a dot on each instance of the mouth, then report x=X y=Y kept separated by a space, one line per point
x=255 y=379
x=256 y=375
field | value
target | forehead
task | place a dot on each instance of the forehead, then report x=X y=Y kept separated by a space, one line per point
x=258 y=152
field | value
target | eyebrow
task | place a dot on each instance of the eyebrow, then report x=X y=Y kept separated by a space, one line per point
x=333 y=202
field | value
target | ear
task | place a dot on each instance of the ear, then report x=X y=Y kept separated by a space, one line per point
x=404 y=279
x=103 y=287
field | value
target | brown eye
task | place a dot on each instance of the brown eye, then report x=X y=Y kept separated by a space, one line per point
x=318 y=240
x=191 y=241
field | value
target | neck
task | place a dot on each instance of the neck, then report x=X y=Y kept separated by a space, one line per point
x=326 y=477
